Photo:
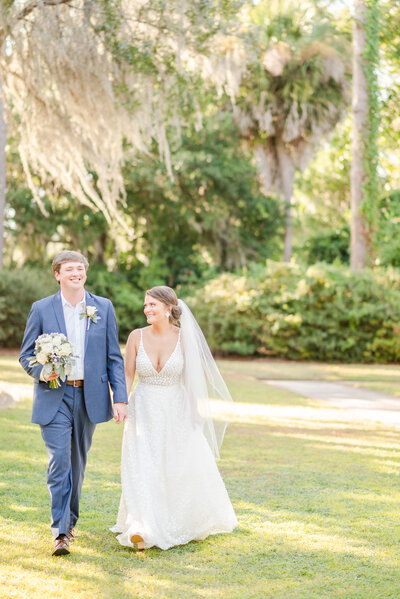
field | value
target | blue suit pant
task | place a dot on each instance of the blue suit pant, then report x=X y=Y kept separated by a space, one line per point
x=68 y=438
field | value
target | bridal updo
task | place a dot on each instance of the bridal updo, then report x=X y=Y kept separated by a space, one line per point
x=168 y=297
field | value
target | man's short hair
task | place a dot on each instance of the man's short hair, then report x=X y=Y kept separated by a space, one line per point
x=68 y=256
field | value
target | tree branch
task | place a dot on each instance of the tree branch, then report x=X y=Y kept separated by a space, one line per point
x=34 y=3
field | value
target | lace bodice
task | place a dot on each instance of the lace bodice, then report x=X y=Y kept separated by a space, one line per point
x=170 y=374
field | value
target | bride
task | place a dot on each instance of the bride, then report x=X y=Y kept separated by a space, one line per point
x=172 y=491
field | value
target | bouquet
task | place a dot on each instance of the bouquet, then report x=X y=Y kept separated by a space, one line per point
x=55 y=353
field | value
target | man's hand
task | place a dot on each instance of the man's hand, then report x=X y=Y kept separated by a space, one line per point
x=120 y=412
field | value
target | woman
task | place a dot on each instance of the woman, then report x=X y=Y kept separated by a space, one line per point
x=172 y=492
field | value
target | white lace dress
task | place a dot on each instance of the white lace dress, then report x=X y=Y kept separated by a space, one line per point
x=172 y=491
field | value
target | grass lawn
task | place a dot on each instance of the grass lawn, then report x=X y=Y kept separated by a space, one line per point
x=317 y=498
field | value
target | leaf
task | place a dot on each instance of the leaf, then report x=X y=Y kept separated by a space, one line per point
x=48 y=369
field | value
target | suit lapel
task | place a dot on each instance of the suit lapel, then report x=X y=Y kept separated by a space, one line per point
x=59 y=312
x=89 y=302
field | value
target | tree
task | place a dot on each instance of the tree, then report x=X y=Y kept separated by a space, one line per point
x=211 y=217
x=364 y=185
x=8 y=20
x=88 y=83
x=294 y=92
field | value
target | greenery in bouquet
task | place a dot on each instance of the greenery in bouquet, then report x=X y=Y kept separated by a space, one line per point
x=56 y=354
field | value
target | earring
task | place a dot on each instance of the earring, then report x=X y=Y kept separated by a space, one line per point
x=167 y=314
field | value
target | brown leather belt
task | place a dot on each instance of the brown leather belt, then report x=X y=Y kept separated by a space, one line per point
x=76 y=383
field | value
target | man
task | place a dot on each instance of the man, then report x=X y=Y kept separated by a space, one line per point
x=68 y=415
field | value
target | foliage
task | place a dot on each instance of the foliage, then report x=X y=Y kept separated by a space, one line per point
x=127 y=300
x=212 y=215
x=387 y=240
x=328 y=246
x=18 y=290
x=294 y=92
x=316 y=313
x=87 y=84
x=322 y=191
x=66 y=224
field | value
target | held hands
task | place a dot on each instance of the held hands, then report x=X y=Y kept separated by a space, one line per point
x=120 y=412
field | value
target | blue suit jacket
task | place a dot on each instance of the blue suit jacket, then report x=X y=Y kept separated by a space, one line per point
x=103 y=361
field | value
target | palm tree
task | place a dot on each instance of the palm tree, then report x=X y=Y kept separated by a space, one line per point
x=294 y=92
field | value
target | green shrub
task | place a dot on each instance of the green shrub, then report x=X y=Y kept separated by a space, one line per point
x=387 y=234
x=224 y=310
x=322 y=312
x=18 y=290
x=328 y=246
x=127 y=300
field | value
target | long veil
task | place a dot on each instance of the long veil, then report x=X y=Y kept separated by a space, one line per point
x=202 y=379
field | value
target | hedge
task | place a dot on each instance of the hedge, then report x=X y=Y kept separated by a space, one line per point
x=20 y=288
x=322 y=312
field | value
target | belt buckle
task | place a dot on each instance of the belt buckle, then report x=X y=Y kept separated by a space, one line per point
x=75 y=385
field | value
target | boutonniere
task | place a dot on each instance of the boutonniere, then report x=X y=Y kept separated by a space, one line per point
x=90 y=313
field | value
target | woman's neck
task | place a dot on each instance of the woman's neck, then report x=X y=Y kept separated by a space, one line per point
x=162 y=328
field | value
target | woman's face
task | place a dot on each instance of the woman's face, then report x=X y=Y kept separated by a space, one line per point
x=155 y=310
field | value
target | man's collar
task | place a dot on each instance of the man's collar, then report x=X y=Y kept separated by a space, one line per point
x=65 y=302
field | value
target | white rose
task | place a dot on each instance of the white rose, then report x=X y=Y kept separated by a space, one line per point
x=91 y=311
x=41 y=358
x=46 y=348
x=65 y=349
x=57 y=340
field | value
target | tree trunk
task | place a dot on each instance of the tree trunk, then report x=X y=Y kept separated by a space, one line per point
x=359 y=241
x=286 y=167
x=3 y=141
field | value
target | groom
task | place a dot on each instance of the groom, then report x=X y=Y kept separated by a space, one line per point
x=68 y=415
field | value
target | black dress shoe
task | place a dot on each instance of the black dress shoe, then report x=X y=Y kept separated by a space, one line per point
x=61 y=545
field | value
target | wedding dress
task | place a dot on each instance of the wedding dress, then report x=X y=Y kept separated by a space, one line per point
x=172 y=491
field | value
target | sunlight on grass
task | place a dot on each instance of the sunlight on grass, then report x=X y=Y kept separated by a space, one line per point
x=316 y=493
x=11 y=371
x=279 y=369
x=389 y=387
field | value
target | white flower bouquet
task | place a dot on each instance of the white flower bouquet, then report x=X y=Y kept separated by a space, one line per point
x=56 y=354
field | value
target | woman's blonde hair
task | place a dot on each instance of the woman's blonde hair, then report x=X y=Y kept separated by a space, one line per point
x=167 y=296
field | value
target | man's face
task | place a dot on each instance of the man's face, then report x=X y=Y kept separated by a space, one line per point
x=72 y=276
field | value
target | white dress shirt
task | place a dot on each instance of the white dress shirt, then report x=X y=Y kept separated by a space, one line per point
x=76 y=330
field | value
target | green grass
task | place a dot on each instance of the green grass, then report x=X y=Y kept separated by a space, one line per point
x=11 y=371
x=317 y=498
